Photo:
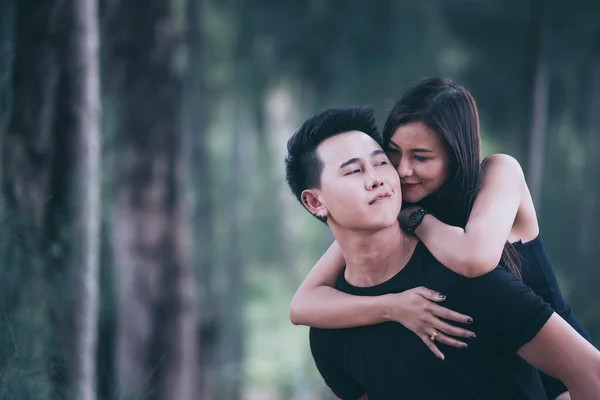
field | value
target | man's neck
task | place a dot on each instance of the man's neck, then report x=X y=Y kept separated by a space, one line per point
x=374 y=257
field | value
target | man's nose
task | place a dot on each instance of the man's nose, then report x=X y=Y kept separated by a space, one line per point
x=375 y=181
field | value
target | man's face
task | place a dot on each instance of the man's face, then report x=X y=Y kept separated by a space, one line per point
x=359 y=186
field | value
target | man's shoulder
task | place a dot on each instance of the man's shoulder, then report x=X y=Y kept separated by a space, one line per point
x=499 y=280
x=499 y=275
x=434 y=270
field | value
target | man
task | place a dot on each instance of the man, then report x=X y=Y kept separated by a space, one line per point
x=338 y=171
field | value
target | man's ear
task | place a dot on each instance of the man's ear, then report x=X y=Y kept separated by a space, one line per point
x=312 y=201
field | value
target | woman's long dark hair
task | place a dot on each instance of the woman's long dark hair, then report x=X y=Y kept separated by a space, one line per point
x=449 y=109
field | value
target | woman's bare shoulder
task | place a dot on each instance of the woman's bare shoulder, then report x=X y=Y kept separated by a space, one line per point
x=525 y=225
x=502 y=164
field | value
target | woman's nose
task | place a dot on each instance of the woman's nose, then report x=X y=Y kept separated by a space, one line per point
x=404 y=169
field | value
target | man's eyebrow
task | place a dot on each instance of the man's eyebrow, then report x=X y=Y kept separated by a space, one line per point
x=350 y=161
x=377 y=152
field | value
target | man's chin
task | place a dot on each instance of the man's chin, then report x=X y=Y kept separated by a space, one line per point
x=378 y=227
x=383 y=222
x=371 y=224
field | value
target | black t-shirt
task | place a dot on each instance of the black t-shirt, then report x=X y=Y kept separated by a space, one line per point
x=388 y=362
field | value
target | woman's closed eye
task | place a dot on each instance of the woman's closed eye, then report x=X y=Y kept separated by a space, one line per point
x=420 y=159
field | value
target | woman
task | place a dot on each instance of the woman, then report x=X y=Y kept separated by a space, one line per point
x=471 y=215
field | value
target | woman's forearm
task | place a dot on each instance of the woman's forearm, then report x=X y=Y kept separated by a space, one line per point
x=317 y=303
x=454 y=248
x=328 y=308
x=477 y=249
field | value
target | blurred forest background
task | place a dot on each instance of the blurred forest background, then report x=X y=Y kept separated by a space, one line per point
x=149 y=246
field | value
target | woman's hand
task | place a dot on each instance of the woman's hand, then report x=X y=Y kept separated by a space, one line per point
x=417 y=310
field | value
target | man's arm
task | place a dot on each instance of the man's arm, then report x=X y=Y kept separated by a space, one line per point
x=323 y=347
x=513 y=319
x=561 y=352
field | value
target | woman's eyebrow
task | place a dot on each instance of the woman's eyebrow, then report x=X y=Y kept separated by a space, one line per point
x=393 y=144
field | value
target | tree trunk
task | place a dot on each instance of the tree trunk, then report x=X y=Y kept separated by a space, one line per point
x=29 y=155
x=591 y=197
x=199 y=205
x=156 y=340
x=28 y=149
x=539 y=104
x=587 y=280
x=7 y=29
x=231 y=347
x=107 y=325
x=51 y=159
x=85 y=195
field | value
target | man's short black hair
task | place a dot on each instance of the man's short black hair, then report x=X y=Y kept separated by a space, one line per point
x=302 y=164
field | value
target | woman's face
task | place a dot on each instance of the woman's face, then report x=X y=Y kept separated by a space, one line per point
x=420 y=158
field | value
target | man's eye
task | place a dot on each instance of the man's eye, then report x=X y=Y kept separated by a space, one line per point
x=355 y=171
x=379 y=164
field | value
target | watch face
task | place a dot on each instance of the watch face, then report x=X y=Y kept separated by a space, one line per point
x=414 y=217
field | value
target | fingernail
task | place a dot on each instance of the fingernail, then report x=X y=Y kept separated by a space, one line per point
x=473 y=336
x=441 y=296
x=464 y=345
x=469 y=320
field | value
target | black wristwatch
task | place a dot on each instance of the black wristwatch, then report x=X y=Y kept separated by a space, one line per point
x=415 y=219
